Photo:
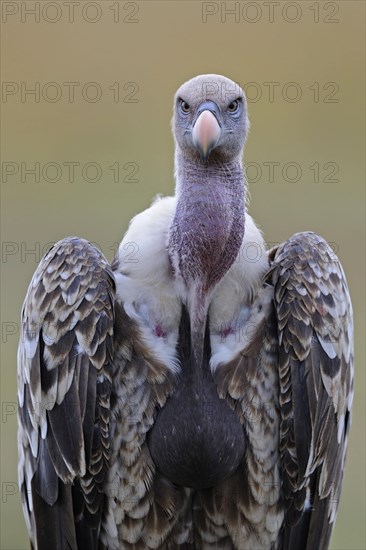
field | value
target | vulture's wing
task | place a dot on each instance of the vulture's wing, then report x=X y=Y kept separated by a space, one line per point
x=315 y=333
x=64 y=378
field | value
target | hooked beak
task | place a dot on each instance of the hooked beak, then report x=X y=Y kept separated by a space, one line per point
x=206 y=131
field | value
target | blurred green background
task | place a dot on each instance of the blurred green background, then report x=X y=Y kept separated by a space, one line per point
x=145 y=50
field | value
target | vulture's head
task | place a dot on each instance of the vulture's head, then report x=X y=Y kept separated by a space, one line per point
x=210 y=119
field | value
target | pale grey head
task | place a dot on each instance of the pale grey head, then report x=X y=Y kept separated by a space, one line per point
x=210 y=119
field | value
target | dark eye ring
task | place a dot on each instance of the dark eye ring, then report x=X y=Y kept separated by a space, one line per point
x=233 y=106
x=184 y=106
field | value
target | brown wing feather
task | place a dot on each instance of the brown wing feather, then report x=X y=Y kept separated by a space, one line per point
x=142 y=507
x=64 y=380
x=315 y=331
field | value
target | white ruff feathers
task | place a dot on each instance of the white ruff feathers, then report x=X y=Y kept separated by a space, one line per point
x=152 y=296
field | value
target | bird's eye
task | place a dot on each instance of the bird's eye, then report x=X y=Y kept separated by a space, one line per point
x=233 y=106
x=184 y=106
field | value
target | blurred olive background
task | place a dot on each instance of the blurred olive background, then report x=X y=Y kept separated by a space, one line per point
x=145 y=50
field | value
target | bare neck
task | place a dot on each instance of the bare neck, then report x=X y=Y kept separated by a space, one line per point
x=225 y=174
x=207 y=231
x=208 y=227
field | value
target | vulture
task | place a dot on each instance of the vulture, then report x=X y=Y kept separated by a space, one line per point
x=196 y=392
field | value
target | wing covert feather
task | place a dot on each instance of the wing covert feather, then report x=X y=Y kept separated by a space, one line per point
x=315 y=332
x=64 y=378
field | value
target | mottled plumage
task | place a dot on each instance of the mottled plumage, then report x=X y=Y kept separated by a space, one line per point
x=193 y=398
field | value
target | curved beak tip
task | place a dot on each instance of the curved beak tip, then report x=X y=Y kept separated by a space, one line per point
x=206 y=133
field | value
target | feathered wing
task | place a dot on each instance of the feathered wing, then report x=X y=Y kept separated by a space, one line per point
x=64 y=379
x=315 y=333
